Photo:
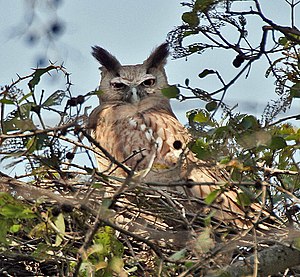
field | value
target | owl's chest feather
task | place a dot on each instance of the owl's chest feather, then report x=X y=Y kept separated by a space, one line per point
x=138 y=137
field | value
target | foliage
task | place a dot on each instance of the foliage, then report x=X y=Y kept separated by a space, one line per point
x=252 y=144
x=220 y=25
x=47 y=153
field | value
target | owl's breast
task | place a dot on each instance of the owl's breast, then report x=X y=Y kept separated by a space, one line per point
x=140 y=137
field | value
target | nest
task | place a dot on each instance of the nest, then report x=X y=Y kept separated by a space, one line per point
x=148 y=231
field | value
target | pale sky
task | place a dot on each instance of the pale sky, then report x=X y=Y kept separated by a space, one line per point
x=130 y=30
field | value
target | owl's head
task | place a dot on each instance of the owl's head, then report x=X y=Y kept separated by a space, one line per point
x=132 y=83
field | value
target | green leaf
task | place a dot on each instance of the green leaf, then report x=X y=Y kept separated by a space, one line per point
x=25 y=109
x=243 y=199
x=295 y=136
x=96 y=92
x=277 y=143
x=131 y=270
x=19 y=119
x=209 y=199
x=202 y=153
x=15 y=228
x=204 y=5
x=42 y=251
x=11 y=208
x=59 y=222
x=195 y=48
x=198 y=143
x=206 y=72
x=26 y=96
x=171 y=91
x=86 y=269
x=37 y=76
x=178 y=255
x=37 y=142
x=116 y=264
x=191 y=18
x=248 y=122
x=39 y=230
x=225 y=160
x=283 y=41
x=189 y=33
x=204 y=242
x=17 y=124
x=55 y=98
x=211 y=106
x=295 y=90
x=7 y=101
x=201 y=117
x=31 y=145
x=5 y=226
x=16 y=211
x=188 y=264
x=221 y=132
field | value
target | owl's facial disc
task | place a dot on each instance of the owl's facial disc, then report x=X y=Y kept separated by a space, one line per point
x=132 y=91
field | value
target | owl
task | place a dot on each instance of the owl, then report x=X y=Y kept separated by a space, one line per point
x=136 y=125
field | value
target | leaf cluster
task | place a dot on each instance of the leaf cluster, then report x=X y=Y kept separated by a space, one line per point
x=211 y=26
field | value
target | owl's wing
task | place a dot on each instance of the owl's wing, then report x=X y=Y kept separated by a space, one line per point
x=182 y=164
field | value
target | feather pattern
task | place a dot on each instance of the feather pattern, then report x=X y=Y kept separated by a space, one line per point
x=145 y=133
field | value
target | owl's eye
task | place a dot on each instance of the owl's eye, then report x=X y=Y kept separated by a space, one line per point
x=118 y=85
x=149 y=82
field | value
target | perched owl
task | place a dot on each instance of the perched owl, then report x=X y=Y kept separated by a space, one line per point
x=135 y=123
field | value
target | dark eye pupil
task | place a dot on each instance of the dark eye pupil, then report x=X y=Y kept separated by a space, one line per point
x=149 y=82
x=118 y=85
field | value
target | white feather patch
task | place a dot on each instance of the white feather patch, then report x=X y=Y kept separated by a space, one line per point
x=132 y=122
x=149 y=134
x=159 y=143
x=177 y=153
x=143 y=127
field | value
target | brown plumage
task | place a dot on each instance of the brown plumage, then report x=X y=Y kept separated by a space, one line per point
x=136 y=125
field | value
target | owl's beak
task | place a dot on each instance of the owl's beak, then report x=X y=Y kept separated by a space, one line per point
x=134 y=96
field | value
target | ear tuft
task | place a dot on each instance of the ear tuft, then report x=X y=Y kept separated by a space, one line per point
x=106 y=59
x=158 y=57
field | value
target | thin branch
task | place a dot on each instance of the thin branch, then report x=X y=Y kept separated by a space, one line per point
x=296 y=117
x=104 y=151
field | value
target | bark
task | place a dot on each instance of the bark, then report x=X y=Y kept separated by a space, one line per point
x=271 y=261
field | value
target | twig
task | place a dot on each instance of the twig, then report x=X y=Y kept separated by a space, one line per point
x=105 y=152
x=296 y=117
x=36 y=132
